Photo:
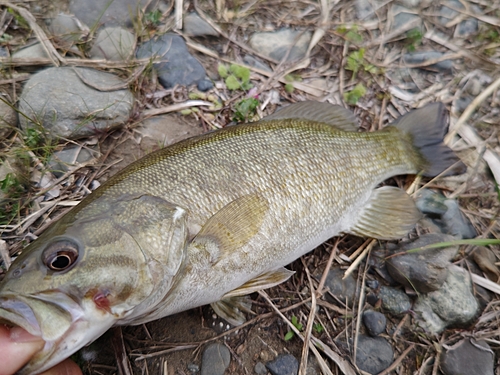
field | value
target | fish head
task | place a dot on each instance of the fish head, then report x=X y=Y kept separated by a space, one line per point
x=91 y=270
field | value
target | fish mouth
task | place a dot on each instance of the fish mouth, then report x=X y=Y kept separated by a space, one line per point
x=54 y=317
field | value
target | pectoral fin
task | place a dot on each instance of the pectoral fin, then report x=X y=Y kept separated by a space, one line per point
x=331 y=114
x=389 y=214
x=264 y=281
x=232 y=226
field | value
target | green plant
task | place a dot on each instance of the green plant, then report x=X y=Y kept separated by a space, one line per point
x=236 y=77
x=152 y=18
x=351 y=34
x=353 y=96
x=318 y=328
x=413 y=39
x=245 y=109
x=356 y=62
x=289 y=335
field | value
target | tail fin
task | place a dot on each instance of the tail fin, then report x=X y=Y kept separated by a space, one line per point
x=427 y=127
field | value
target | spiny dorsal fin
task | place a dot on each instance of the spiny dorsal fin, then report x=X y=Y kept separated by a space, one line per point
x=331 y=114
x=427 y=128
x=389 y=215
x=264 y=281
x=232 y=226
x=231 y=309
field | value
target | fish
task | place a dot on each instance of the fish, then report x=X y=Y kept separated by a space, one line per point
x=216 y=217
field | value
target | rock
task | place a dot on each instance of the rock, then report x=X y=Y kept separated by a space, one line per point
x=468 y=357
x=394 y=300
x=193 y=368
x=425 y=270
x=176 y=66
x=275 y=44
x=375 y=322
x=465 y=27
x=445 y=213
x=366 y=8
x=284 y=364
x=444 y=66
x=66 y=106
x=67 y=29
x=33 y=51
x=402 y=16
x=8 y=119
x=215 y=359
x=255 y=63
x=453 y=304
x=344 y=290
x=194 y=25
x=114 y=44
x=260 y=369
x=68 y=158
x=12 y=168
x=109 y=13
x=374 y=354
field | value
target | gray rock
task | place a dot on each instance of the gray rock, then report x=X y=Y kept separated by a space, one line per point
x=8 y=119
x=113 y=43
x=425 y=270
x=194 y=25
x=468 y=357
x=365 y=9
x=109 y=13
x=215 y=359
x=33 y=51
x=374 y=354
x=275 y=44
x=402 y=16
x=176 y=66
x=465 y=27
x=193 y=368
x=255 y=63
x=374 y=322
x=445 y=213
x=66 y=29
x=260 y=369
x=344 y=290
x=68 y=158
x=67 y=107
x=284 y=364
x=453 y=304
x=394 y=300
x=445 y=66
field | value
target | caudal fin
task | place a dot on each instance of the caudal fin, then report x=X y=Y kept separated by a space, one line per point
x=427 y=127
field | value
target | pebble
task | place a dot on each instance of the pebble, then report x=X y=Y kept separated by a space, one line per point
x=344 y=290
x=275 y=44
x=468 y=357
x=215 y=359
x=445 y=213
x=394 y=300
x=194 y=25
x=284 y=364
x=193 y=368
x=114 y=44
x=66 y=29
x=260 y=368
x=8 y=119
x=444 y=66
x=68 y=158
x=176 y=66
x=402 y=16
x=426 y=270
x=109 y=13
x=68 y=107
x=33 y=51
x=453 y=304
x=374 y=354
x=256 y=63
x=465 y=27
x=374 y=322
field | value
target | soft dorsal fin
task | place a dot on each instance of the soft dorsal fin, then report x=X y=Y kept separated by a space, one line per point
x=327 y=113
x=389 y=215
x=232 y=226
x=264 y=281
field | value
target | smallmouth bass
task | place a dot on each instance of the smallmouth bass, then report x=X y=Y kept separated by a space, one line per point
x=216 y=217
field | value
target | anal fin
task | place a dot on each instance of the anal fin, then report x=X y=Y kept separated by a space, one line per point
x=263 y=281
x=232 y=309
x=389 y=215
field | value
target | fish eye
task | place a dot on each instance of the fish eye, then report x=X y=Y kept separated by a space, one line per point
x=60 y=256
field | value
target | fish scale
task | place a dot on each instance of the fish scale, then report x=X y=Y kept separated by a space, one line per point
x=214 y=218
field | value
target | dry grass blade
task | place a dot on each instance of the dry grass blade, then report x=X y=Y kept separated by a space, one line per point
x=396 y=363
x=358 y=260
x=124 y=367
x=309 y=326
x=175 y=107
x=344 y=366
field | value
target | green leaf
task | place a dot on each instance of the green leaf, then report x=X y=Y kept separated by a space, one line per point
x=241 y=72
x=232 y=83
x=289 y=335
x=353 y=36
x=289 y=88
x=245 y=109
x=222 y=70
x=353 y=96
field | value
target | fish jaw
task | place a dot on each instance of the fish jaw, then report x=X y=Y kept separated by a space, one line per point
x=64 y=325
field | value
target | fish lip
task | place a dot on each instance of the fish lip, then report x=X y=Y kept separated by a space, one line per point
x=14 y=311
